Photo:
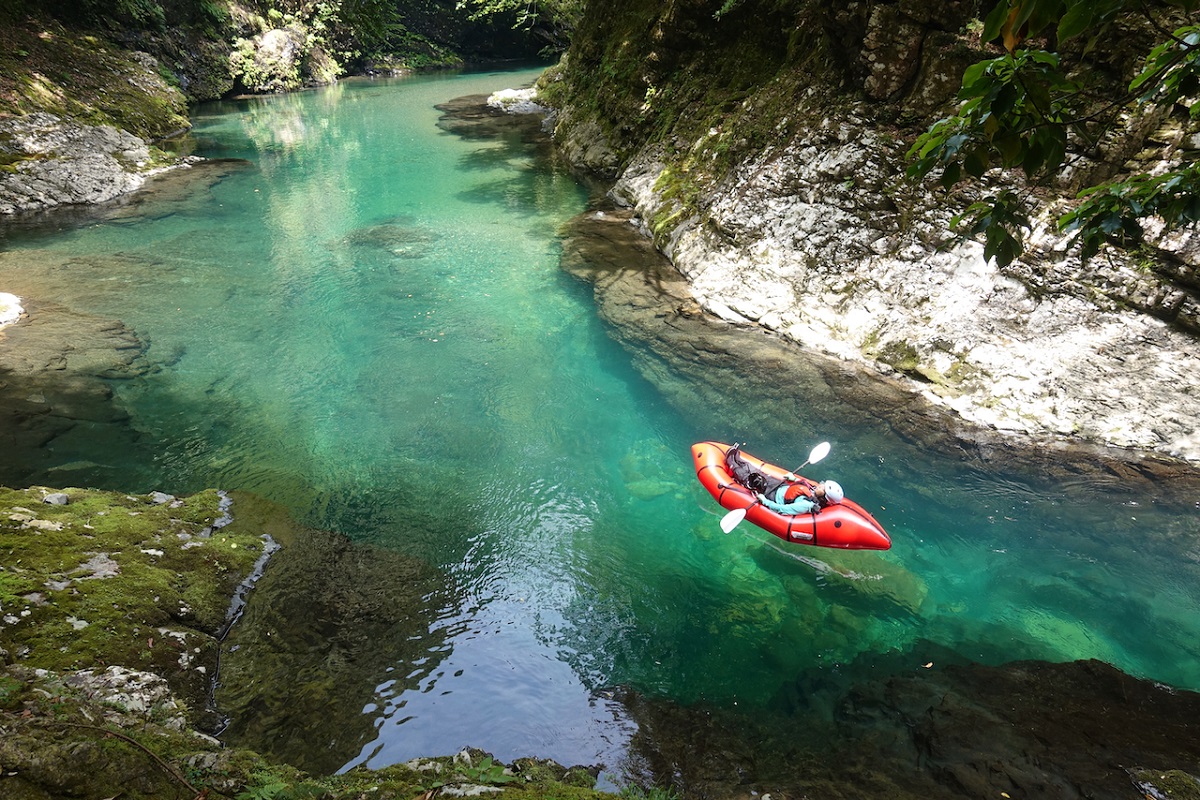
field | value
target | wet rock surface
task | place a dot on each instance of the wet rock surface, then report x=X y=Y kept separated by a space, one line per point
x=1033 y=729
x=327 y=623
x=56 y=368
x=1021 y=730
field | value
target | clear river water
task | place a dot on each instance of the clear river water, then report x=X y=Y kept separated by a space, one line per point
x=366 y=322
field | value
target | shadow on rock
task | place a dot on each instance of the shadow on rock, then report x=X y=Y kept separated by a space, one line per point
x=328 y=622
x=1021 y=730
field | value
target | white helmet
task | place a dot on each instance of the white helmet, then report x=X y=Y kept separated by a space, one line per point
x=833 y=491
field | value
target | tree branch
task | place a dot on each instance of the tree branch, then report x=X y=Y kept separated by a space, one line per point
x=197 y=793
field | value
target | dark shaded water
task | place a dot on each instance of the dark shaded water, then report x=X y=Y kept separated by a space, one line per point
x=366 y=322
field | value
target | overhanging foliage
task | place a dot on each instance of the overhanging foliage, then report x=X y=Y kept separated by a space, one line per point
x=1018 y=110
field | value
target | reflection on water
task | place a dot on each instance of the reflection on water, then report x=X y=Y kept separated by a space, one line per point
x=363 y=318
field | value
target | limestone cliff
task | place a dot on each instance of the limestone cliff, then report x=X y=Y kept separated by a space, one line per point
x=764 y=150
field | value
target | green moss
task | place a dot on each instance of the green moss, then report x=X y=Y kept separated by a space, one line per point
x=901 y=356
x=1171 y=783
x=116 y=579
x=44 y=67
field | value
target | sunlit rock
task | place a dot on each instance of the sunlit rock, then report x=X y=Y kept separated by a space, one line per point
x=10 y=309
x=67 y=162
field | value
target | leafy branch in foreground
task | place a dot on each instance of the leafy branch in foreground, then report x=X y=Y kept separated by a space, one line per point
x=1017 y=111
x=1111 y=213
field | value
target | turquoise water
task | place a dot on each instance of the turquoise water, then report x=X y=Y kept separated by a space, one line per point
x=366 y=321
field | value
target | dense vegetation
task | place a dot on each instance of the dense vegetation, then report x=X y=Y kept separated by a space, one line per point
x=212 y=48
x=1024 y=110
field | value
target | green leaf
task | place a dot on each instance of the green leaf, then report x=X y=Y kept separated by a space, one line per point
x=1111 y=223
x=973 y=73
x=1011 y=148
x=1042 y=14
x=1191 y=212
x=995 y=20
x=1035 y=156
x=1077 y=20
x=955 y=143
x=1006 y=98
x=975 y=164
x=951 y=175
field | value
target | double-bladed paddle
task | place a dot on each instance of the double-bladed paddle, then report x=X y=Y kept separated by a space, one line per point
x=731 y=520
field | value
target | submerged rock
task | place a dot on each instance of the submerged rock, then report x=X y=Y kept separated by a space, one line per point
x=1025 y=729
x=328 y=623
x=55 y=365
x=1034 y=729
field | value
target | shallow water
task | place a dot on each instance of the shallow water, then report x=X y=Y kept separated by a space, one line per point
x=367 y=322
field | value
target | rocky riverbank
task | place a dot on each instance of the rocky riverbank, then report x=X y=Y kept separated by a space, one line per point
x=112 y=612
x=764 y=153
x=79 y=118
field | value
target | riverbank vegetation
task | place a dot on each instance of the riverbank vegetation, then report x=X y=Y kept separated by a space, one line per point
x=212 y=48
x=1029 y=110
x=46 y=67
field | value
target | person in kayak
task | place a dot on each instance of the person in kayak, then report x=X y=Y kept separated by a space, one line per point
x=800 y=498
x=792 y=495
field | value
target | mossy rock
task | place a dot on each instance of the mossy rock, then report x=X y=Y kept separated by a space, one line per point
x=1172 y=783
x=110 y=578
x=45 y=67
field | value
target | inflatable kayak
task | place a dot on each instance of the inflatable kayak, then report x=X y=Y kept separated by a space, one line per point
x=845 y=525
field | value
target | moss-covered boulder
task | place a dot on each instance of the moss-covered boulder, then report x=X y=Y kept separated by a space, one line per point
x=106 y=578
x=110 y=610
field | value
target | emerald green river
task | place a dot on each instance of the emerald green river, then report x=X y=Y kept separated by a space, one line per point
x=362 y=316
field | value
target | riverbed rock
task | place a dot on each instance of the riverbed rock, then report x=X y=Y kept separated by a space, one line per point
x=1035 y=729
x=1024 y=729
x=55 y=368
x=127 y=691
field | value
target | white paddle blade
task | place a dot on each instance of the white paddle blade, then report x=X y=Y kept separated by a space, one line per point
x=731 y=520
x=818 y=452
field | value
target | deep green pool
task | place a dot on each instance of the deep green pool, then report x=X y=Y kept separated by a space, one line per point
x=368 y=324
